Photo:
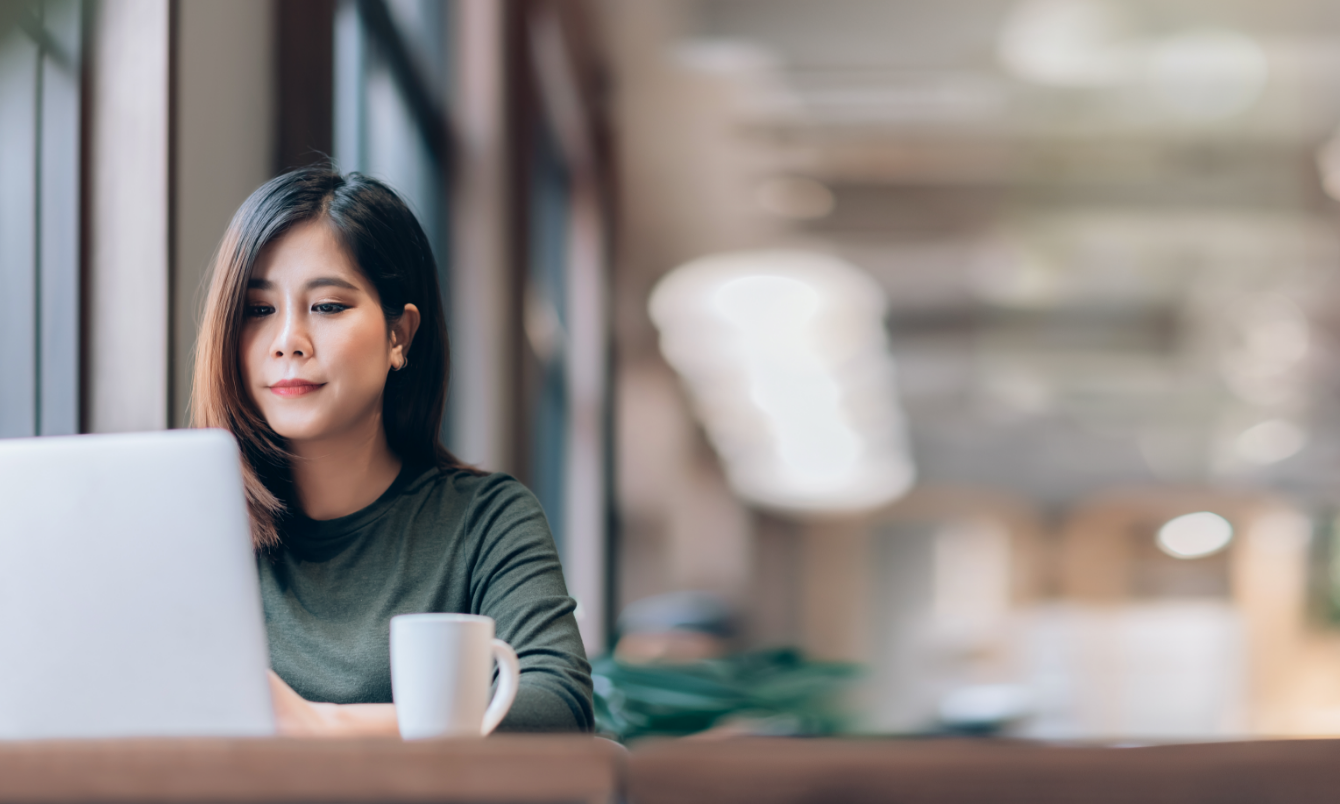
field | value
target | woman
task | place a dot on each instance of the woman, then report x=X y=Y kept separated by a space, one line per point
x=324 y=351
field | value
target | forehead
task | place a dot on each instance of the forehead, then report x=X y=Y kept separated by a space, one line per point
x=308 y=250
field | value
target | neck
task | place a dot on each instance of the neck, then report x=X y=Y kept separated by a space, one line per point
x=338 y=475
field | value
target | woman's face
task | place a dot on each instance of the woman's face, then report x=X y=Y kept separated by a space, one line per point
x=316 y=347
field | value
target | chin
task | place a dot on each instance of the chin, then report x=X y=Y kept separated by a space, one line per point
x=297 y=429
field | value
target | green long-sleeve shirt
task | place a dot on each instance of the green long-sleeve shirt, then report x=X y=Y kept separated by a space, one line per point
x=439 y=540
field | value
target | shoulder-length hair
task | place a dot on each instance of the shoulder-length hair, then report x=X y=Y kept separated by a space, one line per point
x=387 y=244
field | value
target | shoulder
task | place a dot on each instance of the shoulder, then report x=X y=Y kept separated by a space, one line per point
x=487 y=500
x=475 y=488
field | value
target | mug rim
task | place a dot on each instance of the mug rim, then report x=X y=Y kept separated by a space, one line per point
x=432 y=617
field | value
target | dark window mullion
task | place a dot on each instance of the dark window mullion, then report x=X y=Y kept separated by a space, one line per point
x=414 y=88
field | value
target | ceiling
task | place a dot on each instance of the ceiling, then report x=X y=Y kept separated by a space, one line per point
x=1107 y=250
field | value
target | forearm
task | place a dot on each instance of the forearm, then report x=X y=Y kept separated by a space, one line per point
x=546 y=708
x=296 y=717
x=358 y=720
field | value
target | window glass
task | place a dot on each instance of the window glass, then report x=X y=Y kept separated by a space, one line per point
x=39 y=268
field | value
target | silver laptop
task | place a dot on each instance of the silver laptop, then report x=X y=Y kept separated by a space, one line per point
x=129 y=603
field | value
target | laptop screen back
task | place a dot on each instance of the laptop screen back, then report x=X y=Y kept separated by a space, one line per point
x=129 y=602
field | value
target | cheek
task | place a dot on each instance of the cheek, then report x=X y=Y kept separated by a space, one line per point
x=251 y=349
x=358 y=351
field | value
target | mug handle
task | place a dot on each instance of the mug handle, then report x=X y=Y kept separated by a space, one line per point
x=509 y=677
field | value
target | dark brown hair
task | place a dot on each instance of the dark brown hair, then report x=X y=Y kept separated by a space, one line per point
x=387 y=244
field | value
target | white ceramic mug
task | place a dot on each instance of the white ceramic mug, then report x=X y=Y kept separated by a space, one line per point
x=441 y=667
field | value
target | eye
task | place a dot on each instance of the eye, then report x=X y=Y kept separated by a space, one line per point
x=329 y=307
x=258 y=310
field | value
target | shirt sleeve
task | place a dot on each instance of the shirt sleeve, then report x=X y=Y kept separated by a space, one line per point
x=517 y=580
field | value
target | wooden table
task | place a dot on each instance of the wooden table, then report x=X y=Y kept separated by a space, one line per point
x=964 y=772
x=581 y=769
x=513 y=769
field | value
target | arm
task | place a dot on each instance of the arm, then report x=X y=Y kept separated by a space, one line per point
x=516 y=579
x=297 y=717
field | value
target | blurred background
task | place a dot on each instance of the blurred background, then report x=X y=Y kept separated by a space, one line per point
x=883 y=366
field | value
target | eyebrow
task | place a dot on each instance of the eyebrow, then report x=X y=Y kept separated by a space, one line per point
x=319 y=282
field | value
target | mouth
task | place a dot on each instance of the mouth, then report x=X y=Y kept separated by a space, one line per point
x=295 y=387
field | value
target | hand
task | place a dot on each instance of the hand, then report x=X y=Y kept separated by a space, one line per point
x=296 y=716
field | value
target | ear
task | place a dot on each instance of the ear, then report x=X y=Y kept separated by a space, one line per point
x=402 y=335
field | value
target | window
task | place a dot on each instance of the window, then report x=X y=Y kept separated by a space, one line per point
x=39 y=218
x=546 y=313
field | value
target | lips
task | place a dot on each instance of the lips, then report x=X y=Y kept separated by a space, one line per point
x=295 y=387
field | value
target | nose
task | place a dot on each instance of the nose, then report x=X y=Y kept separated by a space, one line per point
x=292 y=339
